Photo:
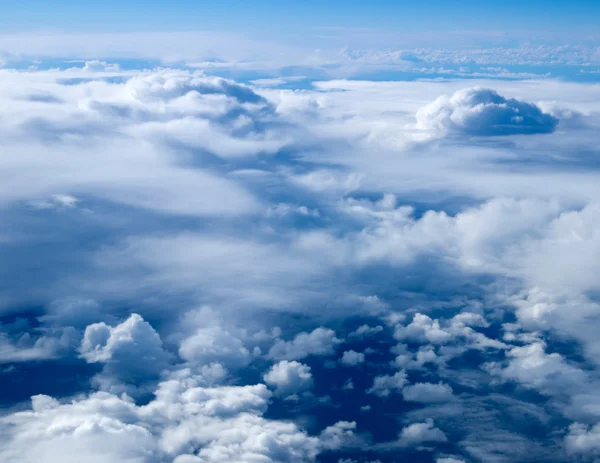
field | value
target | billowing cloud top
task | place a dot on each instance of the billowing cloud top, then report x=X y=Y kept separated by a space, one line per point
x=483 y=112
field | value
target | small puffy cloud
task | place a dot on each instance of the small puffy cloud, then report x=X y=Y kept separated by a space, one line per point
x=100 y=66
x=458 y=330
x=321 y=341
x=483 y=112
x=427 y=393
x=449 y=460
x=352 y=358
x=42 y=402
x=583 y=440
x=366 y=331
x=340 y=435
x=172 y=84
x=384 y=385
x=531 y=366
x=132 y=352
x=25 y=346
x=59 y=201
x=408 y=360
x=422 y=329
x=289 y=377
x=214 y=344
x=420 y=433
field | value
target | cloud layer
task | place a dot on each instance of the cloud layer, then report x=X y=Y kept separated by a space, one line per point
x=205 y=270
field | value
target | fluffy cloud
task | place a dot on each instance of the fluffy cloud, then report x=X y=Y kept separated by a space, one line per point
x=532 y=366
x=214 y=344
x=24 y=347
x=352 y=358
x=419 y=433
x=320 y=341
x=184 y=421
x=167 y=190
x=483 y=112
x=583 y=440
x=427 y=393
x=339 y=435
x=384 y=385
x=289 y=377
x=131 y=352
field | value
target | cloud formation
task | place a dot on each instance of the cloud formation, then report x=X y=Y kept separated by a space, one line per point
x=483 y=112
x=205 y=270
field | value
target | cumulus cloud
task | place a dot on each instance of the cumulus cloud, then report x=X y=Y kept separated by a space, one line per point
x=289 y=377
x=339 y=435
x=384 y=385
x=583 y=440
x=287 y=209
x=419 y=433
x=131 y=352
x=352 y=358
x=214 y=344
x=184 y=422
x=366 y=330
x=427 y=393
x=483 y=112
x=533 y=367
x=320 y=341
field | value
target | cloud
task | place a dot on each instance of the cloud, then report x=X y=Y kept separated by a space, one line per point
x=532 y=366
x=366 y=330
x=384 y=385
x=320 y=341
x=289 y=377
x=419 y=433
x=467 y=264
x=214 y=344
x=339 y=435
x=427 y=393
x=100 y=66
x=352 y=358
x=131 y=352
x=27 y=348
x=583 y=440
x=483 y=112
x=184 y=422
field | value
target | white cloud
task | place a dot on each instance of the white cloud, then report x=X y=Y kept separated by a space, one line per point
x=422 y=329
x=366 y=330
x=427 y=393
x=419 y=433
x=184 y=422
x=339 y=435
x=49 y=345
x=278 y=206
x=100 y=66
x=533 y=367
x=384 y=385
x=214 y=344
x=482 y=111
x=352 y=358
x=289 y=377
x=583 y=440
x=132 y=352
x=320 y=341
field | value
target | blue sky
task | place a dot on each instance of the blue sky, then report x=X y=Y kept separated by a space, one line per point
x=256 y=17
